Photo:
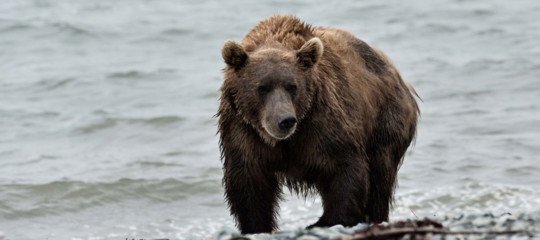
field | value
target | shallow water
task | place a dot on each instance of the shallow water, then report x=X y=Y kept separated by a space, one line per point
x=106 y=110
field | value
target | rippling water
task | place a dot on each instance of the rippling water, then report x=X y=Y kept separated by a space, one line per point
x=106 y=110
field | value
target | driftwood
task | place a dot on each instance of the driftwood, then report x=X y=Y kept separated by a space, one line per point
x=420 y=229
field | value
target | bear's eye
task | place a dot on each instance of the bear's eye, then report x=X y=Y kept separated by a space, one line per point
x=291 y=88
x=262 y=90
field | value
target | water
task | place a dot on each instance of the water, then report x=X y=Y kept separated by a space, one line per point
x=106 y=110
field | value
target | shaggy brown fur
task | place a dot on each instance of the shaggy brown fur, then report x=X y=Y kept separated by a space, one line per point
x=317 y=110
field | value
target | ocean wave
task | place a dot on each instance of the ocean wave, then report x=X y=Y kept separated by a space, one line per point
x=177 y=31
x=492 y=32
x=468 y=198
x=53 y=84
x=138 y=74
x=10 y=27
x=71 y=29
x=60 y=197
x=110 y=122
x=157 y=164
x=434 y=28
x=44 y=27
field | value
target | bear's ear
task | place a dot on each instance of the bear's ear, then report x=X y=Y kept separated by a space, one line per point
x=233 y=54
x=310 y=53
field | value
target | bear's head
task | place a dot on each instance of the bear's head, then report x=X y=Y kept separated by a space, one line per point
x=270 y=87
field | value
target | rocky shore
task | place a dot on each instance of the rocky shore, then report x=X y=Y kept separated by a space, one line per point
x=473 y=226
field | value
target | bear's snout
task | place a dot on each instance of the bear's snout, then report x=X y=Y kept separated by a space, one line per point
x=280 y=126
x=279 y=118
x=286 y=121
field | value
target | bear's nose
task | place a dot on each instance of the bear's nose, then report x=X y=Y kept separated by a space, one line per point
x=286 y=121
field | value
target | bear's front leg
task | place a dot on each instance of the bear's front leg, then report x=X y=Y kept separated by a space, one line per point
x=252 y=193
x=344 y=197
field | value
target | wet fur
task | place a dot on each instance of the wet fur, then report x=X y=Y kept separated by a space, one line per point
x=356 y=119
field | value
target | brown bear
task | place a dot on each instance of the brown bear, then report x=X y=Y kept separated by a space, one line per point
x=317 y=110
